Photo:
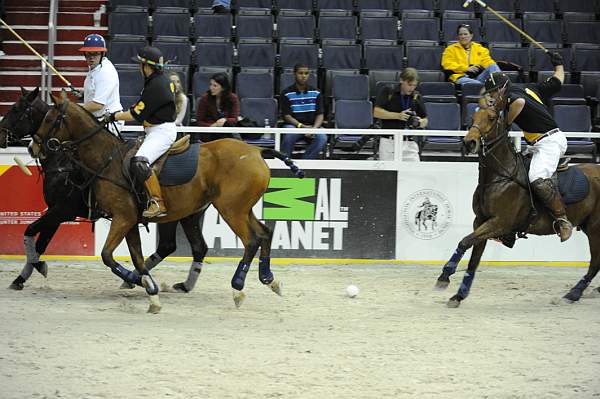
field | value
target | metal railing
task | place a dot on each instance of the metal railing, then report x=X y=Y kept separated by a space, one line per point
x=46 y=74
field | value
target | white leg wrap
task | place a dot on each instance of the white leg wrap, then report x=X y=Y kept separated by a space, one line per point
x=30 y=252
x=27 y=270
x=193 y=274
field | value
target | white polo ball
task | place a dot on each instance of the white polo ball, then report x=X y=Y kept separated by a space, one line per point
x=352 y=290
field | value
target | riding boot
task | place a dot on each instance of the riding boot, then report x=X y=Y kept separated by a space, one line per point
x=156 y=207
x=547 y=192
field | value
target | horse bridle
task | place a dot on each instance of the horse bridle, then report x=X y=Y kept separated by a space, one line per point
x=27 y=113
x=488 y=147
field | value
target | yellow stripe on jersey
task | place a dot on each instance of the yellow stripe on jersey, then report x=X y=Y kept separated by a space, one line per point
x=532 y=137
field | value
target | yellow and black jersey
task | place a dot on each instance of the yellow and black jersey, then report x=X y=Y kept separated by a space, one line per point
x=157 y=102
x=535 y=118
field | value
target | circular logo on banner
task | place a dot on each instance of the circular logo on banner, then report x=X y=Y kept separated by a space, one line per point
x=427 y=214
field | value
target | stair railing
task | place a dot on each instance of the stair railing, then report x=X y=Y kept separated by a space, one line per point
x=52 y=17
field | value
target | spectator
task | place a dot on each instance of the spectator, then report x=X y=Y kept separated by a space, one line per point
x=217 y=107
x=401 y=108
x=101 y=85
x=181 y=100
x=302 y=107
x=221 y=6
x=467 y=61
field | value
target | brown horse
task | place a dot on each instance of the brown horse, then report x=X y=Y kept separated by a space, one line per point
x=502 y=203
x=231 y=175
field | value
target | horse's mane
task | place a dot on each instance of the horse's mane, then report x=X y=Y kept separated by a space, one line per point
x=97 y=122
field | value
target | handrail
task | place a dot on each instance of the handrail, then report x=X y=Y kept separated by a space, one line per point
x=53 y=11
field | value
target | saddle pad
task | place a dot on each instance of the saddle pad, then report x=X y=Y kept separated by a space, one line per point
x=573 y=185
x=180 y=168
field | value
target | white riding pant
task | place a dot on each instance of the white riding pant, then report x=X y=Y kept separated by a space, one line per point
x=546 y=155
x=157 y=141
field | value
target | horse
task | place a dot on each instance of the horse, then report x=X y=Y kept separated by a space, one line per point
x=230 y=174
x=428 y=213
x=503 y=180
x=67 y=199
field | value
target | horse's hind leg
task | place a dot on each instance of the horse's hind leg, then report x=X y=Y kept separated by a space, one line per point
x=593 y=234
x=191 y=228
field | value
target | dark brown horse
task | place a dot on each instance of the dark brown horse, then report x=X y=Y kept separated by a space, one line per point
x=503 y=206
x=231 y=175
x=67 y=198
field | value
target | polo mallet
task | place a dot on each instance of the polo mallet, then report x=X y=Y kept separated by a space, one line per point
x=69 y=85
x=506 y=21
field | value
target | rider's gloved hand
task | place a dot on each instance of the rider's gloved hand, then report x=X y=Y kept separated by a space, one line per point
x=109 y=117
x=76 y=93
x=555 y=58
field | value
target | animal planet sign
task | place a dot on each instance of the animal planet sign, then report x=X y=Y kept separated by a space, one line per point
x=337 y=214
x=21 y=203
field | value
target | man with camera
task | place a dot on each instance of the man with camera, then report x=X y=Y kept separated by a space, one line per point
x=401 y=108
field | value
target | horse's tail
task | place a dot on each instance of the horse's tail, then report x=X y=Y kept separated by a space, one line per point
x=285 y=159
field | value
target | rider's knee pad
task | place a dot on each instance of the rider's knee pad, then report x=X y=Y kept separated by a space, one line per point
x=140 y=168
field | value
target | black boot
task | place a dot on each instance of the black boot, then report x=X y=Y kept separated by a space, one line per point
x=546 y=191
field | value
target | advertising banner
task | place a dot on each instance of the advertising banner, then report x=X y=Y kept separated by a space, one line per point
x=328 y=214
x=21 y=203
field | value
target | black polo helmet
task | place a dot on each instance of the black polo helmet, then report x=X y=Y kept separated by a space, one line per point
x=496 y=81
x=151 y=56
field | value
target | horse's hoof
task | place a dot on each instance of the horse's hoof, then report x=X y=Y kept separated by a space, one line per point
x=276 y=287
x=155 y=305
x=238 y=298
x=453 y=303
x=571 y=297
x=441 y=285
x=180 y=287
x=127 y=285
x=41 y=267
x=16 y=286
x=149 y=284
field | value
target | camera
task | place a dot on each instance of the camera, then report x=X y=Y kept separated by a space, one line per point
x=413 y=121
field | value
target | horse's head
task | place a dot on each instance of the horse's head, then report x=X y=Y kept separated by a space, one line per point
x=23 y=118
x=52 y=132
x=488 y=122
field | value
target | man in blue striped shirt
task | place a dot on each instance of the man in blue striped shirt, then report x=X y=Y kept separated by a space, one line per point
x=302 y=107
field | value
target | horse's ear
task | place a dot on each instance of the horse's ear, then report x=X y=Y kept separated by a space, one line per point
x=56 y=99
x=33 y=94
x=502 y=98
x=63 y=95
x=24 y=91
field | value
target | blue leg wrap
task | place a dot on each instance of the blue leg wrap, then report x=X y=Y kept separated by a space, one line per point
x=239 y=277
x=126 y=275
x=450 y=267
x=465 y=286
x=264 y=270
x=582 y=284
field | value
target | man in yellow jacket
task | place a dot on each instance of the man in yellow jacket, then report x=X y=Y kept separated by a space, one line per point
x=467 y=61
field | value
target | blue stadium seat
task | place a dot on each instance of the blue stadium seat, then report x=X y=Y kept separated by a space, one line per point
x=259 y=109
x=128 y=21
x=443 y=116
x=184 y=74
x=526 y=6
x=291 y=54
x=511 y=52
x=587 y=57
x=254 y=26
x=378 y=78
x=335 y=5
x=295 y=26
x=544 y=30
x=452 y=19
x=254 y=85
x=353 y=114
x=174 y=50
x=590 y=6
x=171 y=22
x=364 y=5
x=578 y=16
x=570 y=94
x=295 y=5
x=468 y=111
x=113 y=4
x=420 y=29
x=403 y=5
x=442 y=92
x=379 y=28
x=350 y=87
x=453 y=5
x=214 y=54
x=286 y=79
x=157 y=4
x=540 y=61
x=253 y=4
x=573 y=118
x=337 y=27
x=341 y=56
x=256 y=55
x=212 y=25
x=591 y=82
x=121 y=49
x=500 y=5
x=496 y=30
x=201 y=79
x=383 y=57
x=582 y=32
x=423 y=55
x=131 y=81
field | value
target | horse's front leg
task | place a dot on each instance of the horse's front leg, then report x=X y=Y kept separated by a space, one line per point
x=135 y=249
x=465 y=286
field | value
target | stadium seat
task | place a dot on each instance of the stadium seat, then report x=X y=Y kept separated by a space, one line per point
x=572 y=118
x=513 y=53
x=256 y=55
x=171 y=22
x=338 y=59
x=214 y=54
x=586 y=57
x=128 y=21
x=527 y=6
x=443 y=116
x=379 y=28
x=495 y=30
x=201 y=79
x=351 y=114
x=174 y=50
x=337 y=27
x=589 y=6
x=378 y=79
x=114 y=4
x=424 y=55
x=253 y=4
x=286 y=79
x=255 y=85
x=184 y=74
x=440 y=92
x=259 y=109
x=540 y=62
x=420 y=29
x=254 y=27
x=544 y=30
x=383 y=57
x=131 y=81
x=121 y=49
x=451 y=21
x=291 y=54
x=365 y=5
x=469 y=95
x=468 y=111
x=295 y=5
x=212 y=25
x=347 y=5
x=500 y=5
x=415 y=5
x=582 y=32
x=578 y=16
x=158 y=4
x=295 y=26
x=350 y=87
x=570 y=94
x=591 y=82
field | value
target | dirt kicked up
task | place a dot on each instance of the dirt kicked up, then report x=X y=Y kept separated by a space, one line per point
x=77 y=335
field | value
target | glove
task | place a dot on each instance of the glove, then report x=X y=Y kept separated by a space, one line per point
x=555 y=58
x=109 y=117
x=77 y=93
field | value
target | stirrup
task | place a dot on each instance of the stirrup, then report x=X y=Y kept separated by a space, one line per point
x=148 y=213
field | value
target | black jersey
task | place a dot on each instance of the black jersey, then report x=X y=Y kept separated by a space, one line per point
x=157 y=103
x=535 y=119
x=394 y=101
